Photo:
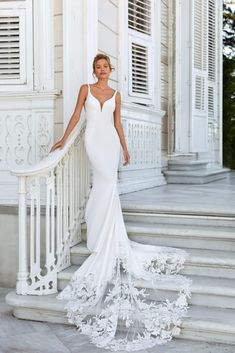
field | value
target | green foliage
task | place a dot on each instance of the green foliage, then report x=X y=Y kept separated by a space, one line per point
x=229 y=87
x=229 y=112
x=229 y=31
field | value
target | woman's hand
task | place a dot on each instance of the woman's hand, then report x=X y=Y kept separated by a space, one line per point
x=126 y=157
x=59 y=144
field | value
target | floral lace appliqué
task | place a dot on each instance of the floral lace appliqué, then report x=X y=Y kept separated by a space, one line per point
x=119 y=314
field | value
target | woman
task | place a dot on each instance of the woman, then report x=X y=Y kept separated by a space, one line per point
x=106 y=297
x=102 y=92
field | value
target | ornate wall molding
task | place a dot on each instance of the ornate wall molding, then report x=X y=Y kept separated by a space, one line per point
x=26 y=123
x=142 y=129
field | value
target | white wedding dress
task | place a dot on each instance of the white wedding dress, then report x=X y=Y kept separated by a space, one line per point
x=115 y=296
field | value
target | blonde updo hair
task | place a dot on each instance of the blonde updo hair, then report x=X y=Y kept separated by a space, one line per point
x=102 y=56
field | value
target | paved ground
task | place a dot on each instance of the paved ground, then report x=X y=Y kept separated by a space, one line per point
x=22 y=336
x=215 y=197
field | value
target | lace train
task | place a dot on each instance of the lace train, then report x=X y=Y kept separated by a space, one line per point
x=118 y=313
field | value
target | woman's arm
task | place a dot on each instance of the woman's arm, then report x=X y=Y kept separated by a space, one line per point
x=119 y=128
x=74 y=118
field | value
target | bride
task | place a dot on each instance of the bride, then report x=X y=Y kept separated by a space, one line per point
x=116 y=296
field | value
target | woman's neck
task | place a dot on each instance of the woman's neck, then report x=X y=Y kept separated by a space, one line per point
x=103 y=84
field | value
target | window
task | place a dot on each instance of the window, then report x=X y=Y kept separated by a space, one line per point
x=139 y=68
x=139 y=16
x=199 y=88
x=12 y=50
x=204 y=67
x=212 y=35
x=15 y=17
x=212 y=30
x=200 y=53
x=140 y=53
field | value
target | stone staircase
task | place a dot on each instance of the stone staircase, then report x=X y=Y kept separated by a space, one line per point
x=209 y=238
x=188 y=171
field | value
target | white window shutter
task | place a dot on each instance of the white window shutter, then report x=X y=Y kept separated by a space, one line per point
x=199 y=92
x=12 y=47
x=140 y=53
x=212 y=30
x=212 y=67
x=139 y=16
x=211 y=101
x=140 y=69
x=16 y=45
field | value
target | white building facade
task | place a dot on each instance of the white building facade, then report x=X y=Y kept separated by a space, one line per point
x=168 y=68
x=167 y=56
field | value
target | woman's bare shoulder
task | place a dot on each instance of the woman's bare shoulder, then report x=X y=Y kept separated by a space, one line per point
x=84 y=87
x=83 y=90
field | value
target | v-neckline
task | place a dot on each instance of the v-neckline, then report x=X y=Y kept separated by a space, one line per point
x=101 y=105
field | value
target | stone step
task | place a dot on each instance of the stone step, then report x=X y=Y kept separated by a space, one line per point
x=206 y=291
x=189 y=217
x=189 y=165
x=202 y=324
x=183 y=156
x=201 y=176
x=211 y=238
x=214 y=263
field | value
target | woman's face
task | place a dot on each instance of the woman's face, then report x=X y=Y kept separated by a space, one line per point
x=102 y=69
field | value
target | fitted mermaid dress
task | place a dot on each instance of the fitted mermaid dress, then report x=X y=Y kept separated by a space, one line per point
x=115 y=296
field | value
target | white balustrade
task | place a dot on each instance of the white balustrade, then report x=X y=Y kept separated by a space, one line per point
x=52 y=199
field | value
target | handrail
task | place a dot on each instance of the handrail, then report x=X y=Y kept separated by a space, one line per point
x=59 y=185
x=52 y=159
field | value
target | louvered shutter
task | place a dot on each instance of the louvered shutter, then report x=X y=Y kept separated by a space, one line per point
x=140 y=54
x=12 y=47
x=199 y=57
x=212 y=50
x=139 y=16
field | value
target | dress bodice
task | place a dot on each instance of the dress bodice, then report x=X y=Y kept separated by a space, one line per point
x=94 y=109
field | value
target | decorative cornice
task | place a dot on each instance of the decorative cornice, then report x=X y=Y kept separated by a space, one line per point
x=30 y=95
